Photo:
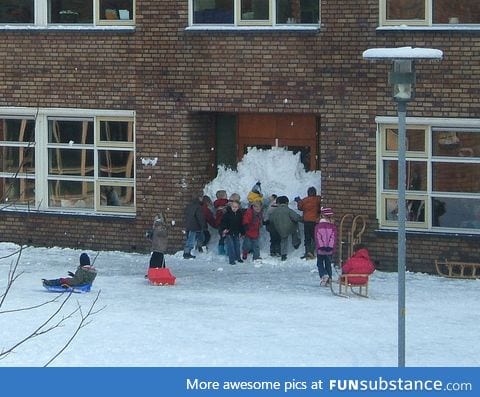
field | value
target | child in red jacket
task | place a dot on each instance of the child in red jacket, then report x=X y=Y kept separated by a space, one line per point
x=358 y=263
x=252 y=222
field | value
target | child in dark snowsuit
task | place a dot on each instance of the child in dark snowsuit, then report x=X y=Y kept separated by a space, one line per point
x=274 y=236
x=220 y=205
x=232 y=227
x=85 y=274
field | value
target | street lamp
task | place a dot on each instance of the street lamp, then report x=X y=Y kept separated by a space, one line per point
x=402 y=78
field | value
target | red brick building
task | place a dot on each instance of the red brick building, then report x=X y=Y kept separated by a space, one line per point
x=109 y=110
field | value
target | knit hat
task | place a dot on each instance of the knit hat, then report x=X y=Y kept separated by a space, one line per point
x=257 y=188
x=84 y=260
x=326 y=211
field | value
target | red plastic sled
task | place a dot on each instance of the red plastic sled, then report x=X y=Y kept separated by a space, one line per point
x=160 y=276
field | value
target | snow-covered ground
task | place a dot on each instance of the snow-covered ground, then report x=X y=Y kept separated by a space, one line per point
x=264 y=314
x=268 y=314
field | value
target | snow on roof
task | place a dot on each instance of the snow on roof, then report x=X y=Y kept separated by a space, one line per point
x=402 y=53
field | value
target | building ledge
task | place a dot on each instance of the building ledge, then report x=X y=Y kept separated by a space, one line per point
x=228 y=28
x=431 y=234
x=449 y=28
x=88 y=28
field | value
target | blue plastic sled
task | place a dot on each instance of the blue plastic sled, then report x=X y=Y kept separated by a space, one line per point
x=80 y=289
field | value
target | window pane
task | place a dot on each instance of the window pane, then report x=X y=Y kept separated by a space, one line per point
x=416 y=175
x=456 y=212
x=213 y=11
x=298 y=11
x=115 y=163
x=405 y=9
x=71 y=132
x=116 y=131
x=455 y=143
x=70 y=11
x=17 y=191
x=70 y=162
x=17 y=130
x=415 y=210
x=254 y=10
x=456 y=177
x=16 y=11
x=116 y=196
x=415 y=140
x=17 y=159
x=76 y=194
x=116 y=10
x=456 y=11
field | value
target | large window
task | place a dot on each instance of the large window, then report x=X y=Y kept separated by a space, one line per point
x=68 y=163
x=255 y=12
x=443 y=177
x=67 y=12
x=430 y=12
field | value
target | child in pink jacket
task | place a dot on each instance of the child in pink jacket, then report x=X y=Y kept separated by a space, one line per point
x=325 y=243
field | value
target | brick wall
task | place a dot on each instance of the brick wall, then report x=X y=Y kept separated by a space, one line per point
x=176 y=79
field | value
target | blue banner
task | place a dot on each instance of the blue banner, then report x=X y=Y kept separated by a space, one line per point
x=232 y=381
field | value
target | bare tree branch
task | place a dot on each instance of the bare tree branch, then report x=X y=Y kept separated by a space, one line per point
x=52 y=321
x=83 y=323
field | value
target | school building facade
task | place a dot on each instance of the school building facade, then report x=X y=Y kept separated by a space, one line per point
x=114 y=110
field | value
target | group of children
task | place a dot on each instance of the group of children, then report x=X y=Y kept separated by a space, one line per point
x=235 y=224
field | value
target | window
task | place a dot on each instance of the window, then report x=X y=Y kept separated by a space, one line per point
x=255 y=12
x=429 y=12
x=16 y=11
x=68 y=163
x=67 y=12
x=443 y=177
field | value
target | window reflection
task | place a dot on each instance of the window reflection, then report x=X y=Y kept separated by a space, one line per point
x=405 y=9
x=16 y=11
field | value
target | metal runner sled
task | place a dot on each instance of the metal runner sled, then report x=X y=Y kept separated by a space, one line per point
x=468 y=270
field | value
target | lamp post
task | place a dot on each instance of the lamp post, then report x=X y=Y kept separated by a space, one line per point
x=402 y=77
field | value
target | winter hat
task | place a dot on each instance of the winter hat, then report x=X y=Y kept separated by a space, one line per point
x=326 y=211
x=282 y=200
x=257 y=188
x=84 y=260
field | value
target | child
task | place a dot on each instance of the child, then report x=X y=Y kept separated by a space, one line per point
x=85 y=274
x=231 y=227
x=220 y=205
x=255 y=194
x=358 y=263
x=209 y=219
x=159 y=239
x=194 y=226
x=285 y=221
x=325 y=242
x=274 y=236
x=252 y=222
x=310 y=206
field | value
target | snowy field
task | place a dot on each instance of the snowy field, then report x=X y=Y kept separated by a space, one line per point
x=265 y=314
x=268 y=314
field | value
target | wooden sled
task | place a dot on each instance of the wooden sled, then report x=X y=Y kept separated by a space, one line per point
x=466 y=270
x=344 y=285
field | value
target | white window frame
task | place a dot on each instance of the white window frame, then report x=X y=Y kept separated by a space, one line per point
x=427 y=22
x=42 y=117
x=40 y=19
x=240 y=24
x=429 y=125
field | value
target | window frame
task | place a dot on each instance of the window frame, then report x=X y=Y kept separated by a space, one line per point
x=42 y=176
x=239 y=24
x=413 y=23
x=40 y=19
x=430 y=125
